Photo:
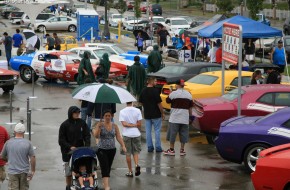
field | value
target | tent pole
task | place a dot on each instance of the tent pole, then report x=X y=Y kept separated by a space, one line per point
x=195 y=48
x=286 y=64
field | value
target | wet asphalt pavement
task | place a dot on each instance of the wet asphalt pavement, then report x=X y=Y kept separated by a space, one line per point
x=201 y=168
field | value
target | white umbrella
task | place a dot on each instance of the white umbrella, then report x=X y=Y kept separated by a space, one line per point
x=102 y=93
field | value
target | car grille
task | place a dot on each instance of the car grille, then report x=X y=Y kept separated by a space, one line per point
x=6 y=77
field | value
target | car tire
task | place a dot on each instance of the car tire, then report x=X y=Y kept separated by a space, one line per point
x=25 y=74
x=287 y=187
x=41 y=28
x=251 y=155
x=72 y=28
x=210 y=139
x=8 y=88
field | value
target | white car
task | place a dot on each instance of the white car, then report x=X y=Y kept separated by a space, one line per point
x=25 y=21
x=128 y=19
x=117 y=61
x=57 y=23
x=137 y=25
x=96 y=53
x=174 y=24
x=114 y=19
x=158 y=19
x=113 y=49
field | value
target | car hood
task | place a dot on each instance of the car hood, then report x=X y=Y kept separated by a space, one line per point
x=7 y=72
x=240 y=120
x=212 y=101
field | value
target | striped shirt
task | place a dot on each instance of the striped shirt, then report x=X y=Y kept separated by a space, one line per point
x=181 y=101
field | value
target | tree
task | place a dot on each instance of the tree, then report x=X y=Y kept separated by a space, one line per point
x=121 y=6
x=137 y=10
x=225 y=5
x=254 y=7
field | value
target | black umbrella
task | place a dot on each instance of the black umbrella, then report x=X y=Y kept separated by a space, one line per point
x=32 y=38
x=144 y=34
x=263 y=66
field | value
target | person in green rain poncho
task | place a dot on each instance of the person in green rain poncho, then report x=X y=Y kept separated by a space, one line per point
x=85 y=69
x=106 y=64
x=154 y=60
x=136 y=78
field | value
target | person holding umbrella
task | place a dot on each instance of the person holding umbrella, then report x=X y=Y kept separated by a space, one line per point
x=139 y=42
x=85 y=69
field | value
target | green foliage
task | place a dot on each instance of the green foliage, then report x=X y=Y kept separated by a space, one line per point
x=121 y=6
x=254 y=7
x=157 y=1
x=225 y=5
x=137 y=10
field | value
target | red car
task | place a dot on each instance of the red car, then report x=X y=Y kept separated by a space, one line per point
x=257 y=100
x=130 y=5
x=273 y=169
x=143 y=7
x=8 y=79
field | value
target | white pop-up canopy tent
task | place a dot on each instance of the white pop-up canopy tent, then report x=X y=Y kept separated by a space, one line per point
x=33 y=8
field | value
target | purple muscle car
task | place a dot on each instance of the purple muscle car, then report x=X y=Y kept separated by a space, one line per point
x=241 y=139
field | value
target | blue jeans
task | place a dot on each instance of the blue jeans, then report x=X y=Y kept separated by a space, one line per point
x=8 y=55
x=157 y=123
x=85 y=117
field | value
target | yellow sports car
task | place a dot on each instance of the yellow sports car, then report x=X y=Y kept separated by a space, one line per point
x=67 y=42
x=207 y=85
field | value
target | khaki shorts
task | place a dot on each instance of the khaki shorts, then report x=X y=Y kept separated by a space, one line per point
x=66 y=169
x=18 y=181
x=133 y=145
x=2 y=173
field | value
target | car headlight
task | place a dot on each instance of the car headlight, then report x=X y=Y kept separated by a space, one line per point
x=15 y=77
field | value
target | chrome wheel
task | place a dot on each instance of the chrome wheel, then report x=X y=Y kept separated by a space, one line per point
x=41 y=28
x=72 y=28
x=252 y=154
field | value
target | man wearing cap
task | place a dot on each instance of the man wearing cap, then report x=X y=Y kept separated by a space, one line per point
x=277 y=56
x=73 y=133
x=181 y=110
x=3 y=138
x=21 y=158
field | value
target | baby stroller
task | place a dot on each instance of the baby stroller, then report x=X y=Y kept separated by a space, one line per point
x=84 y=156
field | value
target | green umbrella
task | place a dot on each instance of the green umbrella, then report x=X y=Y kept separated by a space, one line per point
x=102 y=93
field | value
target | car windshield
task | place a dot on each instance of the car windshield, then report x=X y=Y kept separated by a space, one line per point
x=158 y=20
x=179 y=22
x=203 y=79
x=173 y=70
x=100 y=52
x=79 y=6
x=131 y=18
x=188 y=19
x=118 y=50
x=117 y=16
x=265 y=117
x=232 y=95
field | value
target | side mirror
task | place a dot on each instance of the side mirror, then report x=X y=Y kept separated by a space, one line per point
x=229 y=88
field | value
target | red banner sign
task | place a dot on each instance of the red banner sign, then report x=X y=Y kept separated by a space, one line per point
x=232 y=37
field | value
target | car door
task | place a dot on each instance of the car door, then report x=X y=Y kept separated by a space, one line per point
x=38 y=63
x=52 y=24
x=63 y=23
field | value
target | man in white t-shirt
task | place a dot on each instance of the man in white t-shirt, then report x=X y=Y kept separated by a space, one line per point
x=131 y=117
x=212 y=53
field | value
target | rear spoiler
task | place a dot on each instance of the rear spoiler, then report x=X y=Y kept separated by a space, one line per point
x=274 y=150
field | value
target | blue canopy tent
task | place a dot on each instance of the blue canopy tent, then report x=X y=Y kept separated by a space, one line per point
x=251 y=28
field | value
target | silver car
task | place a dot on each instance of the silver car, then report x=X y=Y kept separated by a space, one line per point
x=57 y=23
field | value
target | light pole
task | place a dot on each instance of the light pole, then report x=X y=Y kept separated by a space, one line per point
x=106 y=32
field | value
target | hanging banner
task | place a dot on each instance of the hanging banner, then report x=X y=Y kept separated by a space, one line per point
x=232 y=41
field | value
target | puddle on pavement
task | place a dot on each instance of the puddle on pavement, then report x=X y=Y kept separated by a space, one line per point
x=215 y=169
x=7 y=108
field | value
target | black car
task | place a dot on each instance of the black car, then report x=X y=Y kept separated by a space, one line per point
x=172 y=73
x=156 y=9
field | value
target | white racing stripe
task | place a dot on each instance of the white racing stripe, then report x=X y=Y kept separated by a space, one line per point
x=263 y=107
x=279 y=131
